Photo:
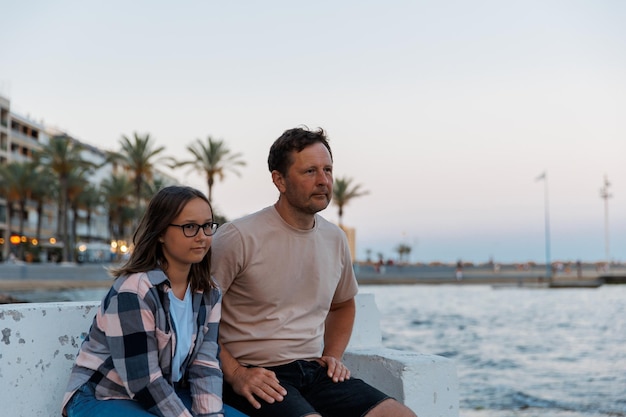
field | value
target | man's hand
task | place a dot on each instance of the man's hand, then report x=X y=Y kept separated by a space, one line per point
x=337 y=371
x=257 y=382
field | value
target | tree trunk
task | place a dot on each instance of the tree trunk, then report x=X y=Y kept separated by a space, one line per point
x=22 y=205
x=63 y=220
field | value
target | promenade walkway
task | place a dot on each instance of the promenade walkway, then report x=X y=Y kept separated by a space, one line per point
x=28 y=277
x=504 y=274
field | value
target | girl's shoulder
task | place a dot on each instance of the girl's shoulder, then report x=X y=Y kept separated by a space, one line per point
x=140 y=282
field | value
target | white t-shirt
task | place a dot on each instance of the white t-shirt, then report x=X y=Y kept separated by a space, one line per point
x=181 y=312
x=278 y=284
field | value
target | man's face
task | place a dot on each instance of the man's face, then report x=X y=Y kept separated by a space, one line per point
x=308 y=185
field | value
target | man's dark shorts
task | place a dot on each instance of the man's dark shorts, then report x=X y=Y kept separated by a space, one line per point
x=309 y=391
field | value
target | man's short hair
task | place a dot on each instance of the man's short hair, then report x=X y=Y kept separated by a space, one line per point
x=295 y=139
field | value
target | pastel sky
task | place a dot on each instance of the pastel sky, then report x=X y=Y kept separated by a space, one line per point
x=445 y=111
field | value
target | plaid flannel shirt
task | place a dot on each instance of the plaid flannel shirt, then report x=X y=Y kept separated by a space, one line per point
x=128 y=351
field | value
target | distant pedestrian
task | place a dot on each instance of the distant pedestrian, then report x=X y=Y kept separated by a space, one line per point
x=459 y=271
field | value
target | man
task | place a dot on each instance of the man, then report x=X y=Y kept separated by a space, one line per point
x=288 y=305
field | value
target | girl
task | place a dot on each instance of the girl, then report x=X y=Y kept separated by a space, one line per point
x=152 y=348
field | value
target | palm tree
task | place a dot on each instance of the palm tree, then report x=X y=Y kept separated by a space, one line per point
x=343 y=192
x=44 y=191
x=213 y=158
x=90 y=199
x=117 y=191
x=77 y=185
x=153 y=187
x=139 y=155
x=63 y=157
x=403 y=250
x=17 y=180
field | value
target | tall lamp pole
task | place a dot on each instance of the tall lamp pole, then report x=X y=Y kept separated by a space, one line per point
x=605 y=195
x=544 y=177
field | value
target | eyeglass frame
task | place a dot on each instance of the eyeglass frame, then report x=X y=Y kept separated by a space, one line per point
x=212 y=227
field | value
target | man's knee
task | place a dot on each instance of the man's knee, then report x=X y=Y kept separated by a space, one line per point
x=390 y=407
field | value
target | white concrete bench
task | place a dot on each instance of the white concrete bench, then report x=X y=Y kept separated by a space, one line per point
x=39 y=342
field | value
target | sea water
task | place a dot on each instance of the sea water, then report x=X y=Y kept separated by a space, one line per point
x=519 y=351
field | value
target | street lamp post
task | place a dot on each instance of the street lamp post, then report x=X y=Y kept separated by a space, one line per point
x=605 y=195
x=544 y=177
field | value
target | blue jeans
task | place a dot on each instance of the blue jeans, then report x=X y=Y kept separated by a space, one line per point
x=85 y=404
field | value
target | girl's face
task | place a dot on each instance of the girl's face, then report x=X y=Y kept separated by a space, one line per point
x=182 y=251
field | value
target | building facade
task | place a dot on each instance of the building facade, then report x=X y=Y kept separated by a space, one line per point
x=20 y=137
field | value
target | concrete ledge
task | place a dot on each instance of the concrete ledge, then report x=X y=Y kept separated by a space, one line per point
x=427 y=384
x=37 y=350
x=39 y=343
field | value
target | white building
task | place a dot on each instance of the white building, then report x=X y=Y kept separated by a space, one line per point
x=19 y=138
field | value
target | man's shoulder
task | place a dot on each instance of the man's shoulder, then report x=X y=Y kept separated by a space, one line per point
x=252 y=219
x=325 y=225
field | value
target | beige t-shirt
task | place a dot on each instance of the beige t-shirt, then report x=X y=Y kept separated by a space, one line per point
x=278 y=284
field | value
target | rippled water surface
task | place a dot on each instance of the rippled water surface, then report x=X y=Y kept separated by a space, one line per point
x=519 y=351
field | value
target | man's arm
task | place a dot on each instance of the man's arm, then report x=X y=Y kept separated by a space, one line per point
x=339 y=324
x=251 y=382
